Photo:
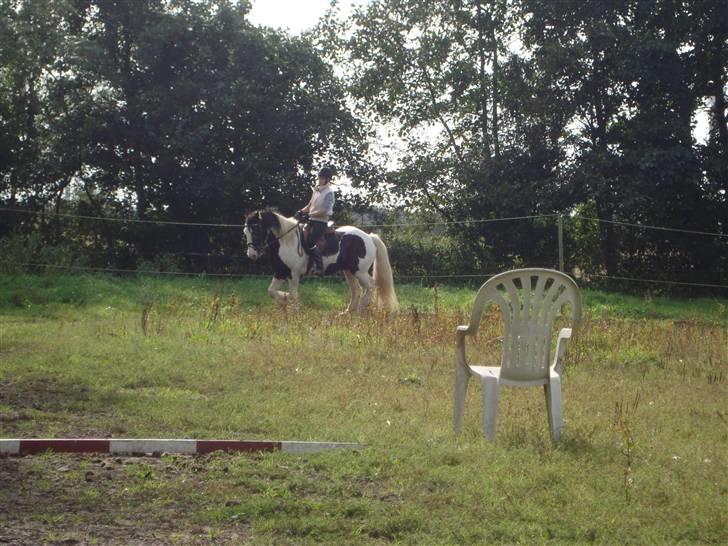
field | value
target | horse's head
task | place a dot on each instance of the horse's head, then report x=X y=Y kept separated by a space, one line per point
x=256 y=230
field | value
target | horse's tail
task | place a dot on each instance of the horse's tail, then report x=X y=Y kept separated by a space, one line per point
x=385 y=297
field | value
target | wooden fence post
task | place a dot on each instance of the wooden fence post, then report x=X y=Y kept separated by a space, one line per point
x=561 y=243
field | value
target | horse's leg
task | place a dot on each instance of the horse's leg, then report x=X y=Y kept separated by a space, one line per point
x=354 y=289
x=366 y=281
x=273 y=290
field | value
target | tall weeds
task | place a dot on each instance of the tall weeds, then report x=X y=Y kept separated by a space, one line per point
x=623 y=415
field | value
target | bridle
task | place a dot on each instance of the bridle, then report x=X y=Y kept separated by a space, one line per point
x=269 y=242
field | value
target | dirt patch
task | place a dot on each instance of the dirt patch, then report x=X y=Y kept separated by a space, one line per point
x=69 y=499
x=42 y=394
x=126 y=535
x=32 y=404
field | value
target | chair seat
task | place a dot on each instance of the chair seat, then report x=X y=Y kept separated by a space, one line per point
x=485 y=372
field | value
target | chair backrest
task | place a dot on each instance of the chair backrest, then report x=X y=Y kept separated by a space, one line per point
x=529 y=300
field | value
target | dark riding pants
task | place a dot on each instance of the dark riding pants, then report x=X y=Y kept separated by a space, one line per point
x=315 y=231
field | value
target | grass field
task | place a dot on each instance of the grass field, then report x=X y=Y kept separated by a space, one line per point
x=643 y=460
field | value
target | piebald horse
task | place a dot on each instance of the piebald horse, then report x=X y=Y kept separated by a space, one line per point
x=361 y=257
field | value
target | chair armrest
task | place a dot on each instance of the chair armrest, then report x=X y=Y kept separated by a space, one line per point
x=564 y=336
x=460 y=333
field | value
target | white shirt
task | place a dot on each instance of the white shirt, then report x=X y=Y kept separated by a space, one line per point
x=323 y=199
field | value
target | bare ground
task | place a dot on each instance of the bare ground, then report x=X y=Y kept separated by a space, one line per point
x=81 y=499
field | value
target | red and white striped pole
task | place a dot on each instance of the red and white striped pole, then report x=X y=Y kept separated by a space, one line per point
x=20 y=447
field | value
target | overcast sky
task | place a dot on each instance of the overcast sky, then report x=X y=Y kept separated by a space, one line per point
x=292 y=15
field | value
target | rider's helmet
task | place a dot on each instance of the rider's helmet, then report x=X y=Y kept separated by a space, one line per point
x=326 y=172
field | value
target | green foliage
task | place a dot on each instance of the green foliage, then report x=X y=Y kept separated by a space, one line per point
x=164 y=263
x=593 y=110
x=29 y=252
x=163 y=111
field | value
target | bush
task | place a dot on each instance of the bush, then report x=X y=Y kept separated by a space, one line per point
x=23 y=252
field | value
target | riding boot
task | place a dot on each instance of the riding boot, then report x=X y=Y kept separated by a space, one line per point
x=318 y=262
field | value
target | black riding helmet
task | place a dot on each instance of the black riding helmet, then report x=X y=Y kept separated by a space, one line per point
x=326 y=172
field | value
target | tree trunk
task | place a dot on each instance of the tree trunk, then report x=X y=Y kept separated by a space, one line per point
x=13 y=187
x=32 y=109
x=607 y=238
x=719 y=106
x=57 y=218
x=720 y=119
x=496 y=97
x=483 y=106
x=139 y=189
x=104 y=225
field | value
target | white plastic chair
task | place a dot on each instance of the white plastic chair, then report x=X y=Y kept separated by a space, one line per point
x=529 y=301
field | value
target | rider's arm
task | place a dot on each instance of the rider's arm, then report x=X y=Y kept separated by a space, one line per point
x=307 y=208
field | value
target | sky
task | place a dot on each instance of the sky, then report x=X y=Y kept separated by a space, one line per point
x=295 y=16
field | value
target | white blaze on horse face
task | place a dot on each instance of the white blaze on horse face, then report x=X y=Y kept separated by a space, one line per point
x=252 y=253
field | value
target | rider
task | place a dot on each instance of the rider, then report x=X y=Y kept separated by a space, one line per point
x=319 y=211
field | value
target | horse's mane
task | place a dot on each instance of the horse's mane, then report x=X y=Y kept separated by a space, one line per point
x=272 y=218
x=284 y=222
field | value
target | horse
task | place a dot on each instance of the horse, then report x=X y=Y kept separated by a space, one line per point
x=361 y=257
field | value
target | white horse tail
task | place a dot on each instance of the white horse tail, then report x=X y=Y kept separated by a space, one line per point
x=383 y=281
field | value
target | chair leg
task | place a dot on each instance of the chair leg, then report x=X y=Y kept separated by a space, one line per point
x=553 y=406
x=462 y=375
x=491 y=389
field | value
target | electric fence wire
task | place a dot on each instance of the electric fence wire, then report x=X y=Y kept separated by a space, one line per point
x=240 y=226
x=396 y=225
x=470 y=276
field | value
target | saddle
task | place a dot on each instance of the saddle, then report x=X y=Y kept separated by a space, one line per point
x=328 y=243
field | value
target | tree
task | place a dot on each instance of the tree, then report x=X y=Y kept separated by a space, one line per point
x=708 y=62
x=179 y=110
x=431 y=69
x=590 y=109
x=442 y=73
x=31 y=34
x=623 y=72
